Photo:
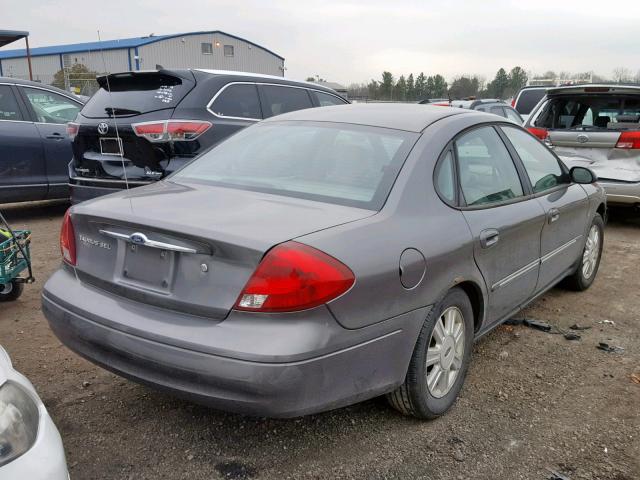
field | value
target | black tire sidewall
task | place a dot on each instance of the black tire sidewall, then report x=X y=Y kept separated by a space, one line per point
x=425 y=404
x=15 y=292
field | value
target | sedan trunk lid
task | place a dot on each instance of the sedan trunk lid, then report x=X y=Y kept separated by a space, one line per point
x=187 y=247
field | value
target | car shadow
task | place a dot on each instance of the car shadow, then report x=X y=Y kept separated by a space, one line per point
x=624 y=217
x=23 y=212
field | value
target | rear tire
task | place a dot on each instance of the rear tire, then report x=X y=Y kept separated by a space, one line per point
x=587 y=269
x=10 y=291
x=439 y=362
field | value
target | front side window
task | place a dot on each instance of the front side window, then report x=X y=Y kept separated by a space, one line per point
x=542 y=167
x=239 y=100
x=51 y=107
x=284 y=99
x=206 y=48
x=326 y=100
x=487 y=172
x=333 y=163
x=228 y=50
x=8 y=105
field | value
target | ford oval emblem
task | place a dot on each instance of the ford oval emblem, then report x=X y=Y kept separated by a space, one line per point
x=103 y=128
x=582 y=138
x=138 y=238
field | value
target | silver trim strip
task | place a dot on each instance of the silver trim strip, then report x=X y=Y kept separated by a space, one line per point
x=561 y=248
x=106 y=180
x=527 y=268
x=260 y=83
x=147 y=242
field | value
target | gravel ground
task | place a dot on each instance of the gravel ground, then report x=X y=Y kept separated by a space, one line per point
x=533 y=402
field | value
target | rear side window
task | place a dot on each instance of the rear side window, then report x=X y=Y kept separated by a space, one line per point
x=445 y=183
x=542 y=167
x=497 y=111
x=8 y=105
x=513 y=115
x=326 y=100
x=284 y=99
x=238 y=100
x=528 y=99
x=487 y=172
x=136 y=93
x=50 y=107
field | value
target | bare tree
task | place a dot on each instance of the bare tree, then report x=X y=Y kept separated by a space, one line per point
x=621 y=74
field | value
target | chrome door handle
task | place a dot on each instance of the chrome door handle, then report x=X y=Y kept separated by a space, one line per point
x=554 y=214
x=489 y=237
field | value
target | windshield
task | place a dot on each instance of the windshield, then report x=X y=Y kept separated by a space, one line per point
x=335 y=163
x=591 y=112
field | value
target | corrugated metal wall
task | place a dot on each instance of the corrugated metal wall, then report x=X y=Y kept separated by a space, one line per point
x=186 y=52
x=178 y=52
x=43 y=68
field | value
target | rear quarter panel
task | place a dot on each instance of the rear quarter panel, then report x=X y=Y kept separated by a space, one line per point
x=413 y=217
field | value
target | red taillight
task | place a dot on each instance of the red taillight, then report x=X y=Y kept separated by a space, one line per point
x=171 y=130
x=629 y=140
x=541 y=133
x=293 y=276
x=72 y=130
x=68 y=240
x=513 y=102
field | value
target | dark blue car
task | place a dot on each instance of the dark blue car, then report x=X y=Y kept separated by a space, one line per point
x=35 y=150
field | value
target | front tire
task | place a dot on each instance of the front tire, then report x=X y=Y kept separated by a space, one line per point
x=587 y=269
x=10 y=291
x=440 y=359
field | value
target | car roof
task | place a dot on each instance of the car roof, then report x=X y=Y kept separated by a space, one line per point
x=262 y=77
x=408 y=117
x=28 y=83
x=595 y=88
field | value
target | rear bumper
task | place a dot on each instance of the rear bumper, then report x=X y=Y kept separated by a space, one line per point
x=248 y=363
x=621 y=193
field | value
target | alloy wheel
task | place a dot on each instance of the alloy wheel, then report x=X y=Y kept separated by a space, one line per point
x=445 y=352
x=591 y=252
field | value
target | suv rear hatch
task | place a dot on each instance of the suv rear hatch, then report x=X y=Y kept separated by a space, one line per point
x=598 y=127
x=106 y=146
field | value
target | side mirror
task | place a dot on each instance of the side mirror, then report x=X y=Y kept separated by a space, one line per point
x=582 y=175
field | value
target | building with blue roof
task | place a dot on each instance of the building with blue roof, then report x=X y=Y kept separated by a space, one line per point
x=210 y=49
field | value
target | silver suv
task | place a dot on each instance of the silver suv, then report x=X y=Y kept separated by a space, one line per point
x=597 y=126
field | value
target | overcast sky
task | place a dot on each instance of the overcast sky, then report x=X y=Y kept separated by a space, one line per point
x=350 y=41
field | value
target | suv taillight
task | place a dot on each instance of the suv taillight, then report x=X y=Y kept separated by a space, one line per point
x=72 y=130
x=629 y=140
x=171 y=130
x=68 y=240
x=293 y=276
x=541 y=133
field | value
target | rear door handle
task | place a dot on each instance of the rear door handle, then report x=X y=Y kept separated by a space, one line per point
x=489 y=237
x=554 y=214
x=55 y=136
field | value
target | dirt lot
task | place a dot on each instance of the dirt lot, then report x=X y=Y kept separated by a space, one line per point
x=533 y=401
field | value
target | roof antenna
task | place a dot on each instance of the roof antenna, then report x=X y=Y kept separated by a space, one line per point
x=115 y=121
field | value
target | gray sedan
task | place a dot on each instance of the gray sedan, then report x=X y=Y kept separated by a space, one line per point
x=324 y=257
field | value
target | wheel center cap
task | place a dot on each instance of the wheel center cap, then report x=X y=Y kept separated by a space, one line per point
x=448 y=351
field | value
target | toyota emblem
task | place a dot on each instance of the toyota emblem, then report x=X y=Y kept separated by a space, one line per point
x=103 y=128
x=582 y=138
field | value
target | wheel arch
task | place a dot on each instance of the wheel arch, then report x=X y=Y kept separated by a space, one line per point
x=476 y=297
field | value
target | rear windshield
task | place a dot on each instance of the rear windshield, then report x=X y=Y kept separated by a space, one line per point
x=528 y=99
x=591 y=111
x=136 y=93
x=335 y=163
